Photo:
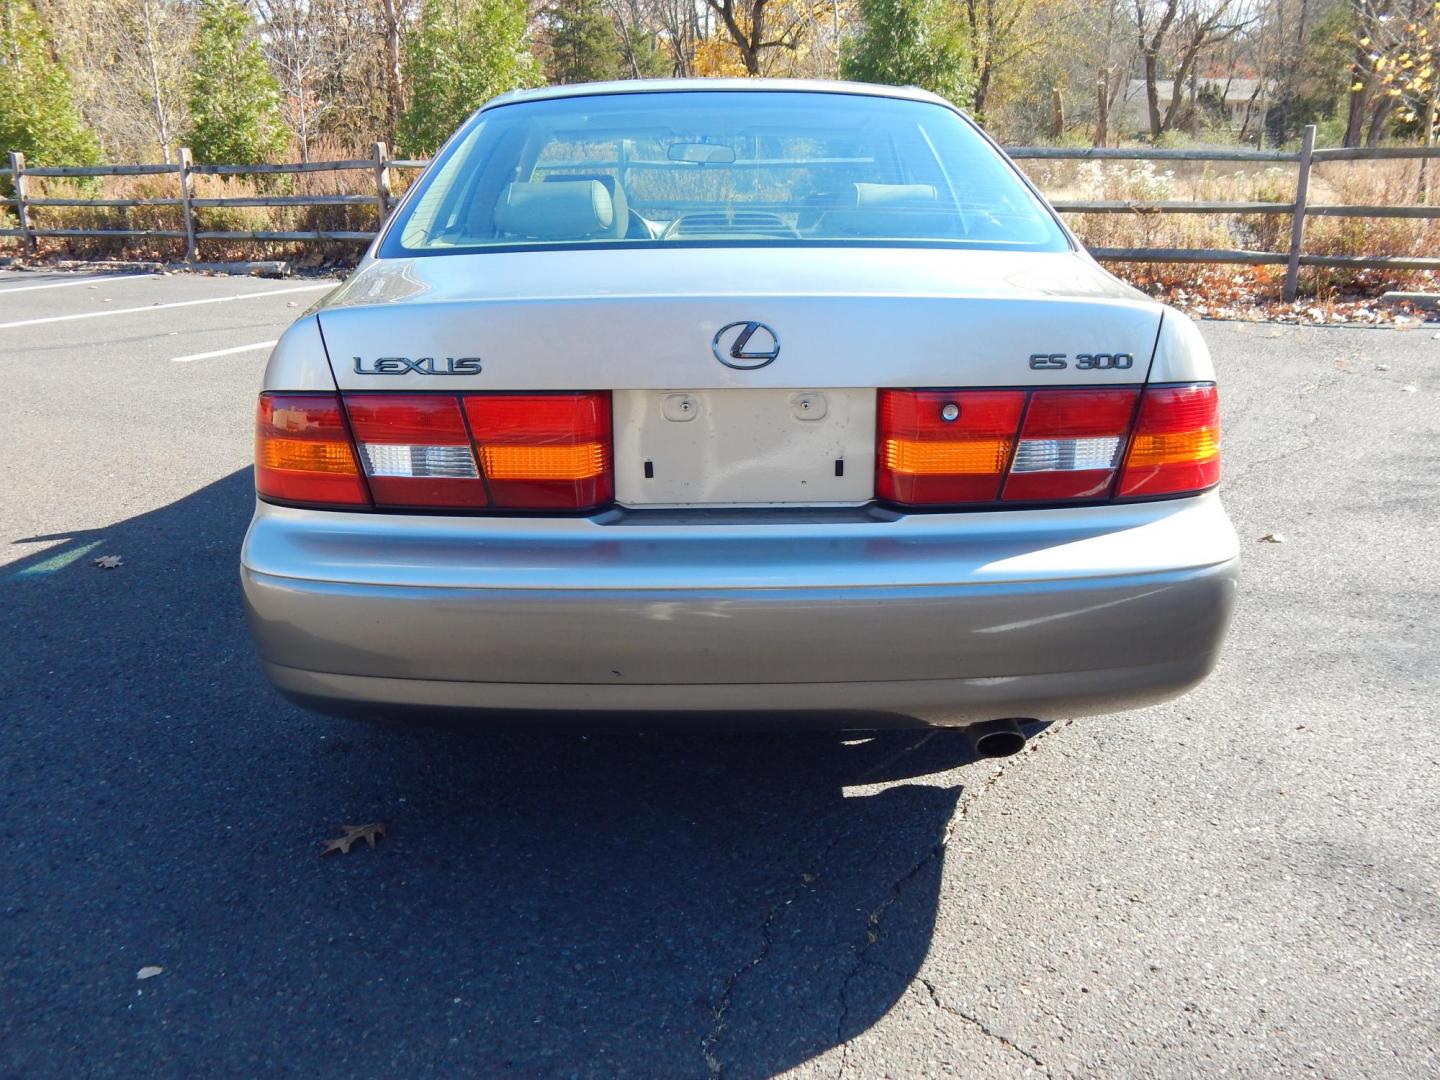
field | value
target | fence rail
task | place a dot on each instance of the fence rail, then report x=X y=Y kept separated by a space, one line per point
x=381 y=166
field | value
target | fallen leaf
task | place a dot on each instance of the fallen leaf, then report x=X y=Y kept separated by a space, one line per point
x=369 y=833
x=148 y=972
x=1272 y=538
x=109 y=562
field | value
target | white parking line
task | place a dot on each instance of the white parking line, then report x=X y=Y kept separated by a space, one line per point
x=221 y=352
x=162 y=307
x=96 y=281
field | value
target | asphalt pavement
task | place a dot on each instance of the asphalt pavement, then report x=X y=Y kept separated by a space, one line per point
x=1239 y=883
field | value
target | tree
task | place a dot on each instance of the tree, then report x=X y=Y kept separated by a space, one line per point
x=1000 y=33
x=673 y=25
x=642 y=56
x=909 y=43
x=234 y=100
x=747 y=27
x=463 y=53
x=1190 y=26
x=295 y=47
x=1394 y=64
x=38 y=116
x=129 y=67
x=584 y=46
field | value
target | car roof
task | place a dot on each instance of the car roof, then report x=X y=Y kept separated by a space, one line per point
x=651 y=86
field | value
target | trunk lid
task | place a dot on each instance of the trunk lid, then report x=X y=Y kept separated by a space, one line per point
x=646 y=319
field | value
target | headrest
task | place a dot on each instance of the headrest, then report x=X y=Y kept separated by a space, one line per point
x=570 y=210
x=884 y=196
x=616 y=192
x=891 y=211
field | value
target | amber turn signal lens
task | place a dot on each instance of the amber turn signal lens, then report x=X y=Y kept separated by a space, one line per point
x=303 y=452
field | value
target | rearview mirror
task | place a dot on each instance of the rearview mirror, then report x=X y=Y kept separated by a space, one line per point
x=697 y=153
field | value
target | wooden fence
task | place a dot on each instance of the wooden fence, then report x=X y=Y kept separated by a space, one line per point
x=380 y=166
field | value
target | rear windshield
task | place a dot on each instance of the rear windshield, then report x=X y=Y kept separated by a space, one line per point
x=708 y=168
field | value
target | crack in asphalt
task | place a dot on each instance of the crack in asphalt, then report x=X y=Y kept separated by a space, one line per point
x=982 y=1027
x=872 y=932
x=713 y=1064
x=1252 y=468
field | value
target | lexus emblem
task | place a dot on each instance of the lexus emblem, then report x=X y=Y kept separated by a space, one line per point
x=745 y=345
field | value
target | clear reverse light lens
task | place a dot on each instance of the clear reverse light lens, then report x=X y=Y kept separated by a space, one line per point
x=1066 y=455
x=401 y=459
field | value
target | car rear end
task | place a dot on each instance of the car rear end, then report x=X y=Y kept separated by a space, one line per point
x=705 y=465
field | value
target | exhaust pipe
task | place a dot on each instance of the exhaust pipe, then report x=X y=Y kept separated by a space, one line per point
x=996 y=738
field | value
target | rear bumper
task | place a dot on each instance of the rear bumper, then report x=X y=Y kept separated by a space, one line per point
x=940 y=619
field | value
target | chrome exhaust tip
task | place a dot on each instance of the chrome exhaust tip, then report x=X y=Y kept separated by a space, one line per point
x=996 y=738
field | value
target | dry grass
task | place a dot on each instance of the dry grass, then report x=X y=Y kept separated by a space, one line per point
x=1360 y=182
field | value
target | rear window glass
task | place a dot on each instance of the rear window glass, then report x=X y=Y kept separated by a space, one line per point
x=707 y=168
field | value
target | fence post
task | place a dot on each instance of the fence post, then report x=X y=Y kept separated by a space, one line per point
x=22 y=211
x=183 y=161
x=383 y=194
x=1297 y=223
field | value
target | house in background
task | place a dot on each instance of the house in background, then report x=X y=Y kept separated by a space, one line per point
x=1217 y=102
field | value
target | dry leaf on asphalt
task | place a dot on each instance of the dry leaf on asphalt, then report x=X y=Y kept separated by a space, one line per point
x=1272 y=538
x=109 y=562
x=369 y=833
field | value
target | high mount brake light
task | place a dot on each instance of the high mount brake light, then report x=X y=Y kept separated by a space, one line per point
x=436 y=451
x=977 y=447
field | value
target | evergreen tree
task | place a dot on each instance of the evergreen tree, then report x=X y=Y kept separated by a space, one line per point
x=234 y=101
x=462 y=53
x=38 y=115
x=584 y=46
x=909 y=43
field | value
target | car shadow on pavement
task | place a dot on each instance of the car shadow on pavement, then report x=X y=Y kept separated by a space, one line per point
x=545 y=903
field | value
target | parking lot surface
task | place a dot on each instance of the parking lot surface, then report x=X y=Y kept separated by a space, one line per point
x=1244 y=882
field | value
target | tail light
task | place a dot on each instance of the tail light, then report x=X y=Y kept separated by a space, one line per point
x=1176 y=447
x=543 y=451
x=938 y=446
x=416 y=450
x=436 y=451
x=967 y=447
x=303 y=452
x=1070 y=444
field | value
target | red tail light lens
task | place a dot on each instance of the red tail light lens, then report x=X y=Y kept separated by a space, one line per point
x=942 y=446
x=416 y=450
x=543 y=451
x=303 y=452
x=1176 y=446
x=1071 y=444
x=442 y=451
x=968 y=447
